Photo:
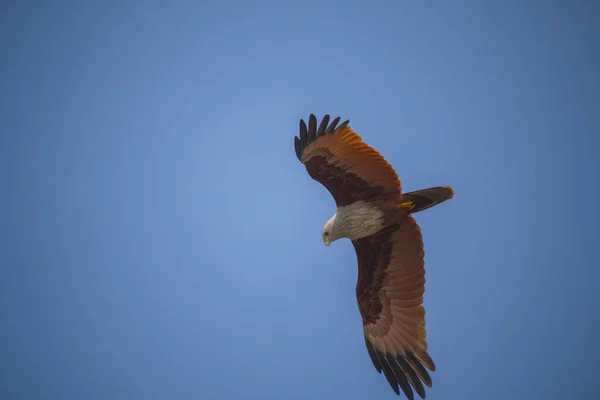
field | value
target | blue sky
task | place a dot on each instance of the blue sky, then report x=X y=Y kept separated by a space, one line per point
x=161 y=240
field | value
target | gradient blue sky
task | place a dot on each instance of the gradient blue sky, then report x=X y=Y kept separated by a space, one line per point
x=160 y=240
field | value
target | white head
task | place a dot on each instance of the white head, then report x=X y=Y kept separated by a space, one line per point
x=330 y=231
x=353 y=221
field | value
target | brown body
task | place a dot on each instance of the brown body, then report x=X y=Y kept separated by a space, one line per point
x=391 y=274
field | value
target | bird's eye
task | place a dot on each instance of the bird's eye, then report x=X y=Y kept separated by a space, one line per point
x=325 y=233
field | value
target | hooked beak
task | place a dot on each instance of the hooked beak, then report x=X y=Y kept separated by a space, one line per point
x=326 y=241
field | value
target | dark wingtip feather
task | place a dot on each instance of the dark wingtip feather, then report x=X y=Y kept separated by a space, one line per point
x=333 y=125
x=400 y=376
x=303 y=134
x=310 y=133
x=411 y=375
x=312 y=126
x=343 y=125
x=298 y=147
x=426 y=360
x=373 y=355
x=402 y=372
x=391 y=378
x=419 y=369
x=323 y=125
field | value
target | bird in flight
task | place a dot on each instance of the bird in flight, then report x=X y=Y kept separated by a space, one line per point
x=376 y=216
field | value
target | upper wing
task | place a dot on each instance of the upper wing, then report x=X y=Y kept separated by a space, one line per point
x=390 y=287
x=336 y=157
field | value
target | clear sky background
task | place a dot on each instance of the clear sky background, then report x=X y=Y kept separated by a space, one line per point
x=160 y=240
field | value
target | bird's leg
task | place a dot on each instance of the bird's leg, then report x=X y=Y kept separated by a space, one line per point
x=407 y=205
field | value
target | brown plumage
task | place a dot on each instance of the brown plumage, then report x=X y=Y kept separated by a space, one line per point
x=375 y=215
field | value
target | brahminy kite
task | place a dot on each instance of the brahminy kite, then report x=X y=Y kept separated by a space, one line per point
x=375 y=215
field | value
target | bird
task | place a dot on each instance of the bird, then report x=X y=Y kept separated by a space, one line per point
x=377 y=217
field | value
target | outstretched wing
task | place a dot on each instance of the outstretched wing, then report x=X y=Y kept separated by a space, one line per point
x=390 y=288
x=337 y=157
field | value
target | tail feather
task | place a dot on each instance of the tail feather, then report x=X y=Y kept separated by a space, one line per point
x=423 y=199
